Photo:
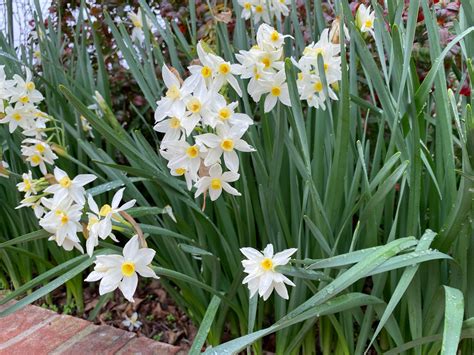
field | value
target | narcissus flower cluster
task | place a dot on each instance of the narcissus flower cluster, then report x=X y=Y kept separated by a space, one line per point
x=203 y=133
x=58 y=199
x=264 y=10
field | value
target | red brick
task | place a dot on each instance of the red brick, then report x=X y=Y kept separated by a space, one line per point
x=103 y=340
x=49 y=337
x=146 y=346
x=24 y=321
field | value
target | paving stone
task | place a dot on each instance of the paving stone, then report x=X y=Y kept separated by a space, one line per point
x=146 y=346
x=23 y=323
x=52 y=335
x=37 y=331
x=103 y=340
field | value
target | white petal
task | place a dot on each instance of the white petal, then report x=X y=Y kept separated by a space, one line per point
x=131 y=249
x=128 y=286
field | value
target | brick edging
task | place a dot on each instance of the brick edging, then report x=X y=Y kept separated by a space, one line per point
x=35 y=330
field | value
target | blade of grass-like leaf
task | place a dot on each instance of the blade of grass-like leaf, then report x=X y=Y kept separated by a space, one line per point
x=338 y=304
x=41 y=234
x=402 y=285
x=453 y=316
x=205 y=326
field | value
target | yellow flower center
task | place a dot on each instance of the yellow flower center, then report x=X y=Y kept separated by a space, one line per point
x=30 y=86
x=224 y=113
x=267 y=264
x=173 y=92
x=65 y=182
x=24 y=99
x=194 y=105
x=326 y=66
x=216 y=184
x=180 y=171
x=368 y=23
x=175 y=122
x=192 y=152
x=16 y=116
x=40 y=148
x=259 y=9
x=92 y=220
x=224 y=68
x=137 y=22
x=227 y=144
x=105 y=210
x=206 y=72
x=64 y=219
x=300 y=76
x=128 y=268
x=276 y=91
x=35 y=159
x=247 y=6
x=318 y=86
x=27 y=184
x=275 y=36
x=266 y=61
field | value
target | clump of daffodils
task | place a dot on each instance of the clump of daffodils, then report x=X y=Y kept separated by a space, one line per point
x=19 y=101
x=59 y=200
x=264 y=10
x=262 y=274
x=313 y=75
x=203 y=133
x=264 y=65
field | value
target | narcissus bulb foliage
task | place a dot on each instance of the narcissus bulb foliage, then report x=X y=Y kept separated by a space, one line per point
x=261 y=269
x=121 y=271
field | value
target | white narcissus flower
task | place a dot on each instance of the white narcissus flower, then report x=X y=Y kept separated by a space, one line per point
x=136 y=18
x=262 y=276
x=108 y=212
x=98 y=226
x=24 y=90
x=38 y=153
x=117 y=271
x=365 y=19
x=196 y=107
x=226 y=142
x=224 y=73
x=172 y=127
x=132 y=322
x=173 y=99
x=18 y=116
x=35 y=203
x=224 y=113
x=216 y=182
x=62 y=221
x=270 y=39
x=277 y=90
x=203 y=72
x=28 y=185
x=261 y=11
x=5 y=87
x=246 y=9
x=182 y=155
x=67 y=188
